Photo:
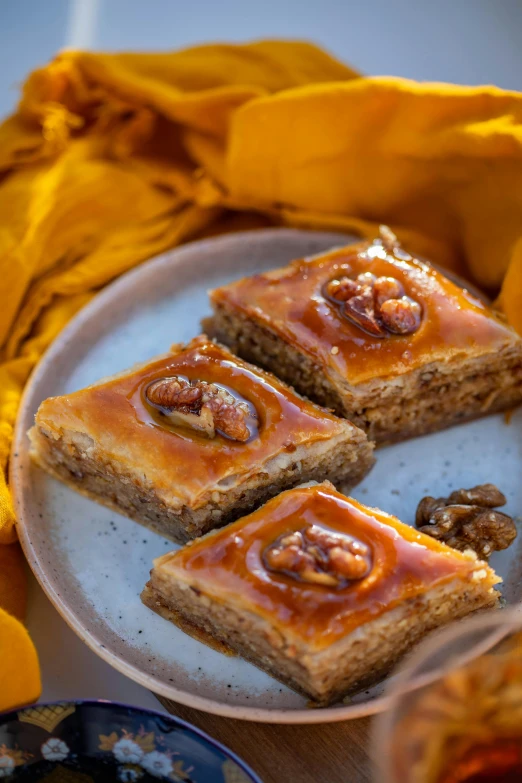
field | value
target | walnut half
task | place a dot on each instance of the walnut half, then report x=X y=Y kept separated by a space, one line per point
x=204 y=407
x=467 y=519
x=319 y=556
x=377 y=305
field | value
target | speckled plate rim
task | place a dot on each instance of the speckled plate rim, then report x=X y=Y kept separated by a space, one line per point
x=124 y=285
x=12 y=715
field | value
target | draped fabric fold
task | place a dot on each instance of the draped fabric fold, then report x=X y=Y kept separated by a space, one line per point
x=111 y=159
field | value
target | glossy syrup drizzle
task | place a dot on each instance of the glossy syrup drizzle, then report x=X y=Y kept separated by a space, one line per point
x=403 y=563
x=293 y=304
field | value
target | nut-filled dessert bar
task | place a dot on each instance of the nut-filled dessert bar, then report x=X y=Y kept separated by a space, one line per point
x=192 y=440
x=380 y=337
x=322 y=592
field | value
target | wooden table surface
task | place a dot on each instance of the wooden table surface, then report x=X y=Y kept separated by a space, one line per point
x=322 y=753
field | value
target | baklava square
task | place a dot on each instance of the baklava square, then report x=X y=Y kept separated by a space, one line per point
x=320 y=591
x=378 y=336
x=192 y=440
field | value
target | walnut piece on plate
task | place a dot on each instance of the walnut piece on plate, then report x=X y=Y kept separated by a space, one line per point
x=203 y=406
x=319 y=556
x=468 y=519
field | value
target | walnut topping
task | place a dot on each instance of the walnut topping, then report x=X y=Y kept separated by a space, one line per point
x=343 y=289
x=205 y=407
x=319 y=556
x=361 y=311
x=401 y=316
x=385 y=288
x=467 y=520
x=174 y=393
x=377 y=305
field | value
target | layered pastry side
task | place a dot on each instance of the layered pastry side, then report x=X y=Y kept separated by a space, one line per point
x=320 y=591
x=377 y=336
x=192 y=440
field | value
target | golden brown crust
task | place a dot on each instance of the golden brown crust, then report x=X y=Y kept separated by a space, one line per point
x=356 y=661
x=435 y=396
x=184 y=466
x=110 y=442
x=327 y=638
x=291 y=303
x=230 y=566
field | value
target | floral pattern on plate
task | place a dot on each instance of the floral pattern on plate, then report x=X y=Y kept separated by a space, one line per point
x=104 y=742
x=139 y=752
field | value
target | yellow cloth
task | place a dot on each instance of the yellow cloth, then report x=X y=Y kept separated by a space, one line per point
x=111 y=159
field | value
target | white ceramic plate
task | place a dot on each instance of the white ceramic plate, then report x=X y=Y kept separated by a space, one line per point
x=93 y=563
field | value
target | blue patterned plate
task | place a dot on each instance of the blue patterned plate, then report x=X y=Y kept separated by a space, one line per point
x=87 y=741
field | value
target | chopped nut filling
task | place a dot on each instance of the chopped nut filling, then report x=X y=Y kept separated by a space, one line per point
x=377 y=305
x=319 y=556
x=205 y=407
x=467 y=520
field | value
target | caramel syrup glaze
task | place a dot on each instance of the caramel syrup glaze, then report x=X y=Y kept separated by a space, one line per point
x=291 y=303
x=179 y=461
x=228 y=565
